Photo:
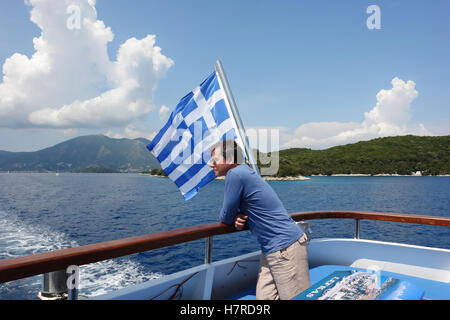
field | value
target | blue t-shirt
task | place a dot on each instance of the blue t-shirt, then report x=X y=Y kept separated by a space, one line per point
x=268 y=220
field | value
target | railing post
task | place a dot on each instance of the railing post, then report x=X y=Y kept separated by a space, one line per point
x=208 y=249
x=356 y=228
x=53 y=285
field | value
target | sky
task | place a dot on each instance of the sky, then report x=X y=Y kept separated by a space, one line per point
x=311 y=74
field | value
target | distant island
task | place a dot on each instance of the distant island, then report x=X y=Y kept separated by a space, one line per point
x=391 y=156
x=401 y=155
x=81 y=153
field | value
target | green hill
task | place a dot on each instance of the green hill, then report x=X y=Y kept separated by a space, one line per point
x=392 y=155
x=93 y=151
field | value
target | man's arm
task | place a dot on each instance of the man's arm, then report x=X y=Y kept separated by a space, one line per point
x=231 y=199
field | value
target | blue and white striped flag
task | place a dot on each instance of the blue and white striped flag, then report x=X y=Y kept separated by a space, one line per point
x=200 y=120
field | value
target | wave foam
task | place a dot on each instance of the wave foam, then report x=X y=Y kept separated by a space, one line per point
x=18 y=238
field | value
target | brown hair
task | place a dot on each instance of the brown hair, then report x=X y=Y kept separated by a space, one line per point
x=228 y=148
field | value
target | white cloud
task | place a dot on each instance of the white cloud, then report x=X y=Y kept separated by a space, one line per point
x=70 y=82
x=163 y=112
x=393 y=108
x=390 y=117
x=132 y=131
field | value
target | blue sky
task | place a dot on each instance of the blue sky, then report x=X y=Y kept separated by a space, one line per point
x=310 y=69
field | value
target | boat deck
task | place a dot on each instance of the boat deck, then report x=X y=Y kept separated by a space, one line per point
x=426 y=289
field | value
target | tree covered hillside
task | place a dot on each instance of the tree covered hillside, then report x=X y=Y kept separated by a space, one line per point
x=392 y=155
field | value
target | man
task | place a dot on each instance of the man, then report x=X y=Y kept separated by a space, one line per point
x=283 y=271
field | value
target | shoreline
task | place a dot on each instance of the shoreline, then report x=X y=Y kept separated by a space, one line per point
x=303 y=178
x=378 y=175
x=270 y=178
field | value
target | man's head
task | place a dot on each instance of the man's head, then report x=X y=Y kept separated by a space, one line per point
x=225 y=155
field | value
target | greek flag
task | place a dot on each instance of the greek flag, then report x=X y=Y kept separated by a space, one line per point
x=200 y=120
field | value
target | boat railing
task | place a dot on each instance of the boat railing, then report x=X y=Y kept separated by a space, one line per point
x=46 y=262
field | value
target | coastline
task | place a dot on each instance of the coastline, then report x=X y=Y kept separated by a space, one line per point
x=303 y=178
x=379 y=175
x=270 y=178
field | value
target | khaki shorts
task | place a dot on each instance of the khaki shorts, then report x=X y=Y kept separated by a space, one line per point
x=283 y=274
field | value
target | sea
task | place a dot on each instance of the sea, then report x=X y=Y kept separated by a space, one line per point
x=40 y=212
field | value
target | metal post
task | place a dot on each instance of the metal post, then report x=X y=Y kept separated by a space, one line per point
x=208 y=249
x=53 y=285
x=226 y=87
x=356 y=228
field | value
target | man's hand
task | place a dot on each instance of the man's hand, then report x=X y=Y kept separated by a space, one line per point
x=239 y=221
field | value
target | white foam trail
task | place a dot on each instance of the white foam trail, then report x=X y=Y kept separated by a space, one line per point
x=18 y=238
x=105 y=276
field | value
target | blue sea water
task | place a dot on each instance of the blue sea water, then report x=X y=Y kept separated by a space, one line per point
x=42 y=212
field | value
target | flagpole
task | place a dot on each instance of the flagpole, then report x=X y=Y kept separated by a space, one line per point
x=223 y=79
